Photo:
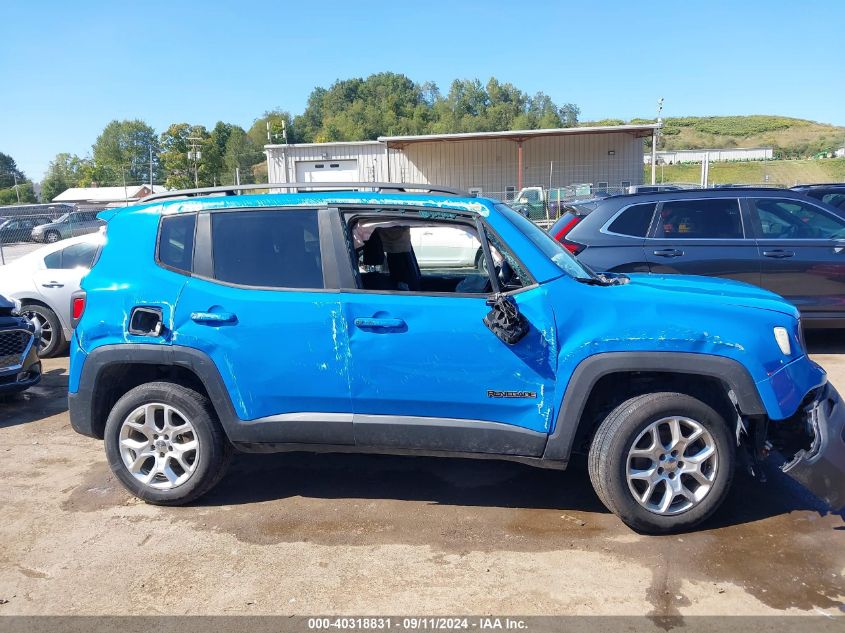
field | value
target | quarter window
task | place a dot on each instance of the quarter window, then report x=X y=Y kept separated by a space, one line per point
x=793 y=219
x=715 y=218
x=176 y=242
x=273 y=249
x=634 y=220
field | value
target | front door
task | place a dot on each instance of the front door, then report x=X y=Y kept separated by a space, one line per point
x=703 y=237
x=802 y=250
x=426 y=372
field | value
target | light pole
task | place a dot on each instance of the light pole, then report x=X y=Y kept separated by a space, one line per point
x=654 y=141
x=195 y=154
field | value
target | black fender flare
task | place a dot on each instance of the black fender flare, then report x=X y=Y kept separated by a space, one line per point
x=81 y=405
x=591 y=369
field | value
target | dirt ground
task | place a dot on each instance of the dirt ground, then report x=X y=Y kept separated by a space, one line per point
x=348 y=534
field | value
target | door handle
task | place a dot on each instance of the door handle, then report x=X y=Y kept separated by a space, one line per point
x=669 y=252
x=213 y=317
x=53 y=284
x=372 y=323
x=778 y=253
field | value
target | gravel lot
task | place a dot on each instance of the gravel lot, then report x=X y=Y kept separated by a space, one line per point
x=349 y=534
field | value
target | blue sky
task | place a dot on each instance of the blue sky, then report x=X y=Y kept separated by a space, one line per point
x=69 y=68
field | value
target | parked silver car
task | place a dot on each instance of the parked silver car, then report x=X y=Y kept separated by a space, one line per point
x=43 y=282
x=70 y=224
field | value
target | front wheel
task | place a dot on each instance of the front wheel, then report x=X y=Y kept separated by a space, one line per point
x=51 y=237
x=663 y=462
x=52 y=340
x=164 y=443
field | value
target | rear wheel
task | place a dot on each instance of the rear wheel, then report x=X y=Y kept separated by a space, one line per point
x=52 y=337
x=662 y=462
x=165 y=445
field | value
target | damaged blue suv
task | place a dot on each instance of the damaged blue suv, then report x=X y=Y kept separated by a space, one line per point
x=411 y=319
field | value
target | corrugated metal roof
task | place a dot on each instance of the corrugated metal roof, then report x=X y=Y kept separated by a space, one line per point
x=640 y=130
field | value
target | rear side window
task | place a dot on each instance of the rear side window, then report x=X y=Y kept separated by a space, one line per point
x=716 y=218
x=273 y=249
x=634 y=220
x=176 y=242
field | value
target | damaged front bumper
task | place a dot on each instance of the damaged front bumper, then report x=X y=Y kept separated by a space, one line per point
x=819 y=463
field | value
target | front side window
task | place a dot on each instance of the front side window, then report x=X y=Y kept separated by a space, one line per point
x=792 y=219
x=272 y=249
x=715 y=218
x=176 y=242
x=404 y=254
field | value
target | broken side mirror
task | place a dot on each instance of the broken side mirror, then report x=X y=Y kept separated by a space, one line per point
x=505 y=320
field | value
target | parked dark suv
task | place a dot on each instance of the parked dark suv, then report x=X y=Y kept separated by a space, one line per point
x=832 y=193
x=780 y=240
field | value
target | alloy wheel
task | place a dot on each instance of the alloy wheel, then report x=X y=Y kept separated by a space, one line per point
x=46 y=329
x=672 y=465
x=159 y=446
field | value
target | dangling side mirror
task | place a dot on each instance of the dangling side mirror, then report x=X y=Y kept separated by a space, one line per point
x=505 y=320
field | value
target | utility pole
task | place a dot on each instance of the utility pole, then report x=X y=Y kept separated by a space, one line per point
x=654 y=142
x=195 y=154
x=17 y=191
x=151 y=167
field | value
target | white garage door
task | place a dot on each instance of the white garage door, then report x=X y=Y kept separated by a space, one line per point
x=327 y=170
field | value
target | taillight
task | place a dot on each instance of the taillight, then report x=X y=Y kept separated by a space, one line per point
x=567 y=228
x=77 y=307
x=572 y=247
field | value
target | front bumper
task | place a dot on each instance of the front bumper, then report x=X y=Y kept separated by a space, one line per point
x=821 y=468
x=22 y=375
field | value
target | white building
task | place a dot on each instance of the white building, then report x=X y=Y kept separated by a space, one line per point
x=671 y=157
x=102 y=197
x=493 y=163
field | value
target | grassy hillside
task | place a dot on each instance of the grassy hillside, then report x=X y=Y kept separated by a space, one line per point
x=791 y=138
x=779 y=172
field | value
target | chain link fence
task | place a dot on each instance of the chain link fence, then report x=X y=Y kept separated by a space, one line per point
x=26 y=228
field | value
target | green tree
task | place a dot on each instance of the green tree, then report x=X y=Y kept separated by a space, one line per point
x=124 y=148
x=65 y=171
x=242 y=155
x=179 y=168
x=24 y=190
x=281 y=123
x=9 y=172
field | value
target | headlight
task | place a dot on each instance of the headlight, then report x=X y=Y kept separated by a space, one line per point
x=782 y=338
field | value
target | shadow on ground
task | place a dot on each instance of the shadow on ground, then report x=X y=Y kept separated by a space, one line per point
x=44 y=400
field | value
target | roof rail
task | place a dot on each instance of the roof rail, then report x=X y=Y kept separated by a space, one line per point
x=378 y=187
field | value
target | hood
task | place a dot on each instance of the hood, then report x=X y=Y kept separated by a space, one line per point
x=5 y=304
x=711 y=290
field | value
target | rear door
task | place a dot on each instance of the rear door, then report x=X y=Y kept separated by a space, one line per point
x=263 y=304
x=704 y=236
x=802 y=250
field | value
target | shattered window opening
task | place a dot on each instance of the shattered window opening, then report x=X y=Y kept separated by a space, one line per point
x=429 y=254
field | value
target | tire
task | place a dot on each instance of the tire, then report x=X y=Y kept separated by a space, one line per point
x=51 y=327
x=51 y=237
x=206 y=464
x=642 y=425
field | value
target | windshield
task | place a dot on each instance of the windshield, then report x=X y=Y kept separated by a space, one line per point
x=62 y=218
x=547 y=244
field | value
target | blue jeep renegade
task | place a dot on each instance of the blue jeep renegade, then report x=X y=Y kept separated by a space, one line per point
x=410 y=319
